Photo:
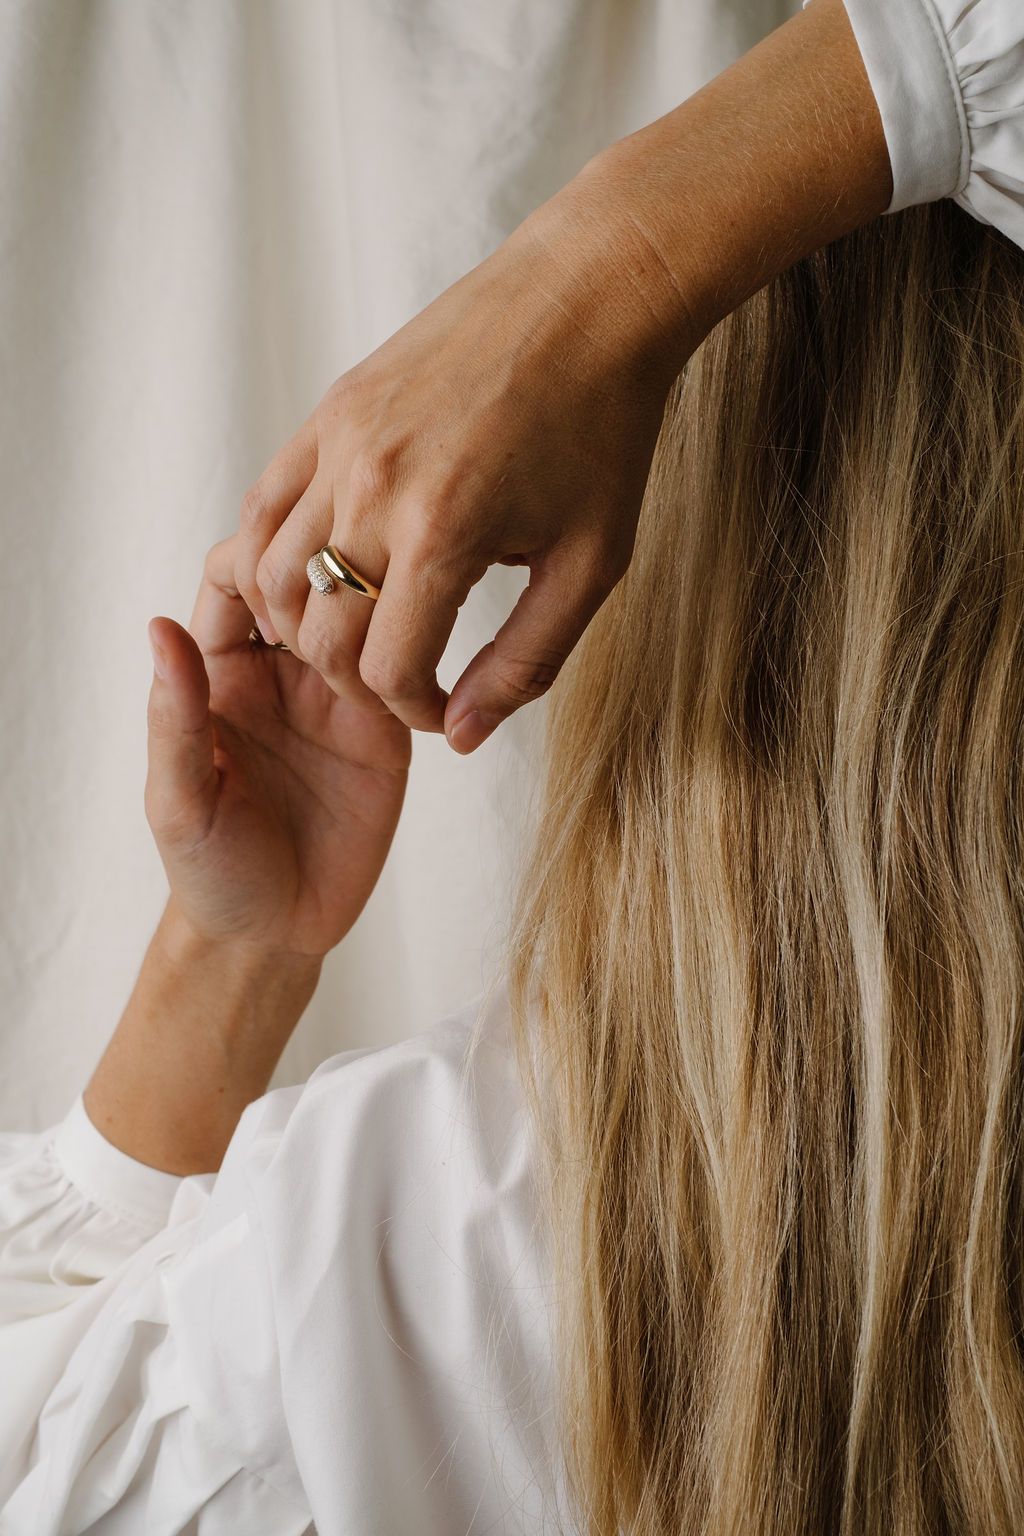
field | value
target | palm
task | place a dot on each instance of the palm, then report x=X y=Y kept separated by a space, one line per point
x=310 y=792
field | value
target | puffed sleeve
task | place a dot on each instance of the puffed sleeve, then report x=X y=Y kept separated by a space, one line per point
x=948 y=77
x=102 y=1428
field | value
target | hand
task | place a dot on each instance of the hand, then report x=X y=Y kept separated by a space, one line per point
x=273 y=801
x=512 y=421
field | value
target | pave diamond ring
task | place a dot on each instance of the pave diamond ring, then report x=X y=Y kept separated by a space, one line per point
x=326 y=570
x=320 y=577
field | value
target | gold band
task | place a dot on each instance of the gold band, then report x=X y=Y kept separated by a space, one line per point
x=255 y=638
x=345 y=574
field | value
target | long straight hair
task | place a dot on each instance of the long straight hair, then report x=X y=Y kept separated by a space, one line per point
x=767 y=958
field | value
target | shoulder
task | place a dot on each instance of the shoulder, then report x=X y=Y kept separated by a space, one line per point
x=376 y=1119
x=387 y=1163
x=387 y=1157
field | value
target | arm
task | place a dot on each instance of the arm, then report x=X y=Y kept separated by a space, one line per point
x=198 y=1040
x=514 y=419
x=273 y=805
x=781 y=153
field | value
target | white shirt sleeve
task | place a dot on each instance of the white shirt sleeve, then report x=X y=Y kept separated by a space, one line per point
x=346 y=1329
x=948 y=77
x=100 y=1429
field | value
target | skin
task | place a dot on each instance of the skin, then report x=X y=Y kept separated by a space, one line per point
x=512 y=420
x=273 y=803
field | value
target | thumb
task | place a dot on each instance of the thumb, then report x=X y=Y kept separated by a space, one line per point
x=181 y=787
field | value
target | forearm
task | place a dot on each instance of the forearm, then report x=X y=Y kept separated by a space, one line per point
x=197 y=1042
x=683 y=220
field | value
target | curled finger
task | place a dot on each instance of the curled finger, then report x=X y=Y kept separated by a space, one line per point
x=281 y=574
x=409 y=631
x=265 y=507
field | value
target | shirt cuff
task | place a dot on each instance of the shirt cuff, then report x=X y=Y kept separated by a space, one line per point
x=913 y=77
x=108 y=1177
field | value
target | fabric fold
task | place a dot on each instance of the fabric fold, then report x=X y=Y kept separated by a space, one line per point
x=99 y=1430
x=914 y=81
x=987 y=42
x=119 y=1449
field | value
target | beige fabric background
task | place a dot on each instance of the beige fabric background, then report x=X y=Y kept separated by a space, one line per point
x=208 y=210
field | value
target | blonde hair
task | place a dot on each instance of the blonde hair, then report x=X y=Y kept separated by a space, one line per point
x=767 y=966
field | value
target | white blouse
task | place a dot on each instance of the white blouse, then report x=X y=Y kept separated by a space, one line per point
x=347 y=1329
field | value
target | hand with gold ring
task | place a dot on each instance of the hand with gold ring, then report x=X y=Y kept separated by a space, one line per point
x=507 y=423
x=514 y=419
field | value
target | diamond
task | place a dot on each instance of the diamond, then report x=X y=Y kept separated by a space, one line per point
x=319 y=576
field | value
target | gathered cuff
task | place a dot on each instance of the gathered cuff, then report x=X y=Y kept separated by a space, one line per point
x=108 y=1177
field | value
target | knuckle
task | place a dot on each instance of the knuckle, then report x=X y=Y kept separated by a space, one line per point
x=213 y=564
x=318 y=647
x=247 y=589
x=255 y=510
x=273 y=576
x=440 y=544
x=523 y=679
x=432 y=519
x=372 y=476
x=339 y=397
x=160 y=718
x=389 y=679
x=245 y=573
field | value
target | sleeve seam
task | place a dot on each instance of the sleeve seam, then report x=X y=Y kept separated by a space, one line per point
x=953 y=80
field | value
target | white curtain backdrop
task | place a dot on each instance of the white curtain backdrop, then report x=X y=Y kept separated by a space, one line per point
x=208 y=210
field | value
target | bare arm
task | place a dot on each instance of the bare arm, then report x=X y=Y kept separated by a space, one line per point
x=197 y=1041
x=273 y=804
x=775 y=157
x=514 y=419
x=669 y=229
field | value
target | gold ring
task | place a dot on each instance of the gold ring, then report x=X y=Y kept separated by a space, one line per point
x=255 y=638
x=345 y=574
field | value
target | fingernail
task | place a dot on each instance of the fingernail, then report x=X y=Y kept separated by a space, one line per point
x=159 y=662
x=471 y=729
x=267 y=630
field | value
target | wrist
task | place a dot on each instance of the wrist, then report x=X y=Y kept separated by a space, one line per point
x=244 y=964
x=198 y=1040
x=610 y=272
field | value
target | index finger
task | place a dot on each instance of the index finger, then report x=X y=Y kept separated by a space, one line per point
x=220 y=620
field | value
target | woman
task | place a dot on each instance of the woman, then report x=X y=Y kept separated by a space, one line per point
x=711 y=1220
